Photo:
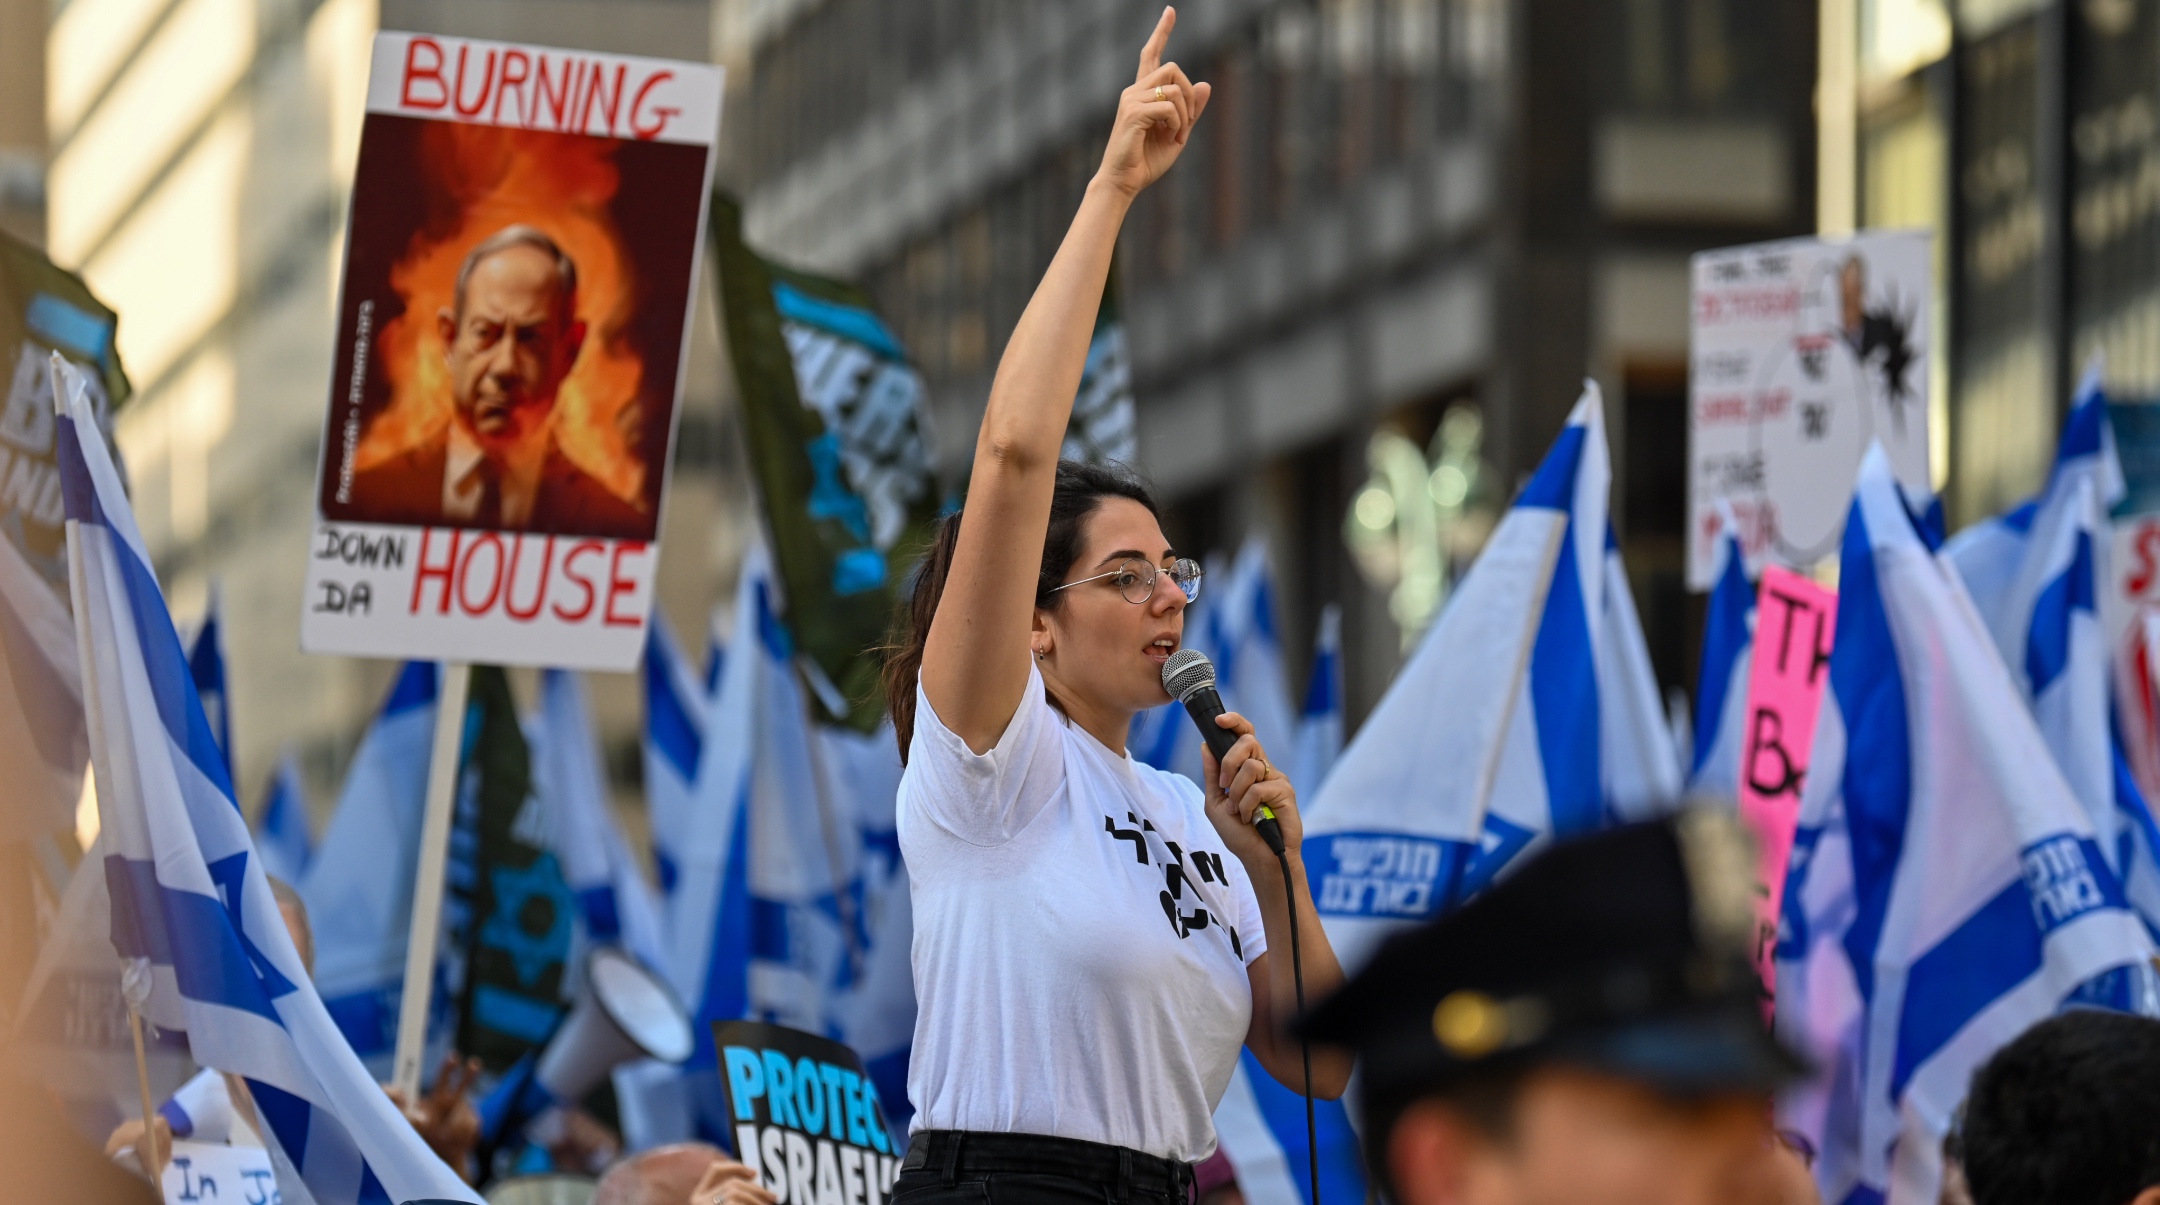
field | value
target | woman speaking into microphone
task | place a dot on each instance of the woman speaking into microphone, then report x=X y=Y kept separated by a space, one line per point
x=1094 y=939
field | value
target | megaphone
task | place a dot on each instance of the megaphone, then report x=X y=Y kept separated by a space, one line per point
x=626 y=1013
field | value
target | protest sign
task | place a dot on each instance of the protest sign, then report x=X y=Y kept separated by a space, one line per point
x=212 y=1173
x=525 y=230
x=1795 y=626
x=807 y=1121
x=1803 y=353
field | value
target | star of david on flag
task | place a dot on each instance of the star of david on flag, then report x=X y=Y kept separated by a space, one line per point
x=190 y=902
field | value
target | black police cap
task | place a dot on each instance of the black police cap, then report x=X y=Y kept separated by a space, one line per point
x=1625 y=951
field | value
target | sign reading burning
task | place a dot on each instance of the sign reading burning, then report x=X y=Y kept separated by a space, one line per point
x=1803 y=353
x=526 y=228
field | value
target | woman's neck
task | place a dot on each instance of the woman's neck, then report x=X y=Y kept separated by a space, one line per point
x=1109 y=725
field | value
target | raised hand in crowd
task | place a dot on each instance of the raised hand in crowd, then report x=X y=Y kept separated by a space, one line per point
x=444 y=1116
x=727 y=1182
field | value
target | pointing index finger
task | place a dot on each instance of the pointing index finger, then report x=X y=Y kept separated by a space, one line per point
x=1151 y=54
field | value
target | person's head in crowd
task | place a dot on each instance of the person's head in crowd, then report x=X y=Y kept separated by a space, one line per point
x=679 y=1174
x=294 y=910
x=1110 y=597
x=2068 y=1114
x=1588 y=1032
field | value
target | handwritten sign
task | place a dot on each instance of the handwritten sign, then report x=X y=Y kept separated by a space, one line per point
x=507 y=509
x=1802 y=353
x=212 y=1173
x=1796 y=621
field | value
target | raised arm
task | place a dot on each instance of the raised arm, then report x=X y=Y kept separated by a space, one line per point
x=975 y=661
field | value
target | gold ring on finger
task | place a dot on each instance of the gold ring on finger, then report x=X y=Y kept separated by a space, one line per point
x=1159 y=93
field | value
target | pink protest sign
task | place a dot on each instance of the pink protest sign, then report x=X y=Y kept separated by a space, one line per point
x=1795 y=622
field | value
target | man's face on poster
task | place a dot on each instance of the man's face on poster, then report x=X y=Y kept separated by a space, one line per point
x=510 y=344
x=1852 y=293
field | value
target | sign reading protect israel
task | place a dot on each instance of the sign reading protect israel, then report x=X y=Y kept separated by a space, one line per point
x=806 y=1116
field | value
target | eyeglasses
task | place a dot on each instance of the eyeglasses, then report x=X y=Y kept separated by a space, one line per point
x=1135 y=578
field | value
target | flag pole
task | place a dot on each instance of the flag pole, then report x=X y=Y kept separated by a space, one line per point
x=146 y=1150
x=135 y=973
x=426 y=931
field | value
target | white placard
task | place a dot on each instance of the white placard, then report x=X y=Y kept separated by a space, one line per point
x=527 y=226
x=212 y=1173
x=1803 y=353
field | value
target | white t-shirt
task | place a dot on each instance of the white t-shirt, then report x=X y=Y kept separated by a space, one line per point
x=1081 y=939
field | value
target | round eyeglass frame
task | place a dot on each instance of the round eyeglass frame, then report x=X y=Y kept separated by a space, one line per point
x=1184 y=571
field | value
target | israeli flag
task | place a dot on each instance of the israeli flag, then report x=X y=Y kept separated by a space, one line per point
x=707 y=905
x=1943 y=859
x=1728 y=657
x=615 y=903
x=42 y=735
x=282 y=835
x=360 y=902
x=675 y=707
x=2036 y=575
x=1533 y=688
x=1320 y=723
x=206 y=666
x=876 y=1016
x=206 y=949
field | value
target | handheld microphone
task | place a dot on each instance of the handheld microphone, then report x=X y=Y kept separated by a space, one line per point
x=1190 y=678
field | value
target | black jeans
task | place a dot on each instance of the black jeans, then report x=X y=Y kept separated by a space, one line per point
x=958 y=1167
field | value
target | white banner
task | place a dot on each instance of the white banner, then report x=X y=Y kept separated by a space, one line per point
x=1803 y=352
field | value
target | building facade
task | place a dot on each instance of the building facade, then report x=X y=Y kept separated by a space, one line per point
x=1391 y=207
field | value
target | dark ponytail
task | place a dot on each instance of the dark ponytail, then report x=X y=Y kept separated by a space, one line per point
x=1080 y=488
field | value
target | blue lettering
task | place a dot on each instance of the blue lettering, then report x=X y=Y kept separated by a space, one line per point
x=851 y=1092
x=809 y=1096
x=746 y=1081
x=780 y=1090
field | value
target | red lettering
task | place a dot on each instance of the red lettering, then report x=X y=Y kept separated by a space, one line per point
x=584 y=583
x=618 y=585
x=592 y=96
x=663 y=114
x=547 y=562
x=465 y=573
x=487 y=84
x=557 y=99
x=414 y=73
x=518 y=59
x=2147 y=546
x=424 y=571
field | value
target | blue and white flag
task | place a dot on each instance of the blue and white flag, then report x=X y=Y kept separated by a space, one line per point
x=193 y=916
x=675 y=708
x=2037 y=575
x=1533 y=686
x=1942 y=858
x=1728 y=656
x=42 y=735
x=282 y=835
x=708 y=913
x=615 y=904
x=1320 y=723
x=206 y=665
x=360 y=901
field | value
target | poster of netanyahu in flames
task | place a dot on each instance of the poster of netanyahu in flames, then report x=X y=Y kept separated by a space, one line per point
x=524 y=237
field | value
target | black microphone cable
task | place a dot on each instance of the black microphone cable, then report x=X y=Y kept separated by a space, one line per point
x=1189 y=677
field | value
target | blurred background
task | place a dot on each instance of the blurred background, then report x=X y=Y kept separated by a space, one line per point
x=1358 y=311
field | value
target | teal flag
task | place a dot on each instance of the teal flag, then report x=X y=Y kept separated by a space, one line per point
x=833 y=415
